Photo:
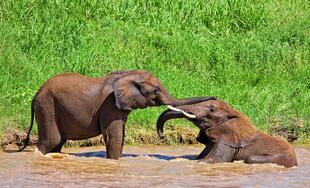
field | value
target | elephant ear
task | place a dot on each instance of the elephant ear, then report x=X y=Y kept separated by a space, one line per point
x=129 y=93
x=236 y=132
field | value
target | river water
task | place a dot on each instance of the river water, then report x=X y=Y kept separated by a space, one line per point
x=145 y=166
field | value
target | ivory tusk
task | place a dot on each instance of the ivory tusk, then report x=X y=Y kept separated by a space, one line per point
x=179 y=110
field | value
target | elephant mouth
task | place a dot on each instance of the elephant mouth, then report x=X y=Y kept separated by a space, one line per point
x=202 y=124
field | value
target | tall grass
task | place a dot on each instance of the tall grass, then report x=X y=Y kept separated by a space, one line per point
x=252 y=54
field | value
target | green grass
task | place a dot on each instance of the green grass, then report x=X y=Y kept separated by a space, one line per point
x=253 y=54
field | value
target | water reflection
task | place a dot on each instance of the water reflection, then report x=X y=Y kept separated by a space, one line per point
x=103 y=154
x=145 y=166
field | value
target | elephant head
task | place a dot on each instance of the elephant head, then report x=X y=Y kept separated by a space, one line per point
x=140 y=89
x=219 y=121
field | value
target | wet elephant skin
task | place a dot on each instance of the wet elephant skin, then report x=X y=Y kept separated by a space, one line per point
x=229 y=135
x=70 y=106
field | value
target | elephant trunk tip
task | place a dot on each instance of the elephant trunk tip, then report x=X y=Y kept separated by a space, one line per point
x=160 y=134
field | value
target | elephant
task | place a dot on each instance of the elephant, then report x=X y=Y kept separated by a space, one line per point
x=71 y=106
x=230 y=135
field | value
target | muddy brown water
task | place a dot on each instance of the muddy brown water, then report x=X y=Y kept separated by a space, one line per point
x=145 y=166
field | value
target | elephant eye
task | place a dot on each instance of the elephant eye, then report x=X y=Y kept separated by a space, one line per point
x=156 y=90
x=212 y=109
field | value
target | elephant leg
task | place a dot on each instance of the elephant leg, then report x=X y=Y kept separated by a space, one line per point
x=220 y=153
x=58 y=148
x=202 y=138
x=49 y=135
x=276 y=158
x=114 y=137
x=205 y=151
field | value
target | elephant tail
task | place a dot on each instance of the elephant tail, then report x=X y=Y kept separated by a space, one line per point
x=25 y=142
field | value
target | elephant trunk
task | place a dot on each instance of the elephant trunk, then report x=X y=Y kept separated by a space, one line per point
x=164 y=98
x=192 y=100
x=165 y=116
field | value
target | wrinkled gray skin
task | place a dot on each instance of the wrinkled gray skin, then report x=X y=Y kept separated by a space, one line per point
x=229 y=135
x=71 y=106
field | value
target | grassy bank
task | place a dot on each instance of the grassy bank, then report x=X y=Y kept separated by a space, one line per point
x=253 y=54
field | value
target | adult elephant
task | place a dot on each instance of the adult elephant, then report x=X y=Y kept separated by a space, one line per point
x=229 y=135
x=71 y=106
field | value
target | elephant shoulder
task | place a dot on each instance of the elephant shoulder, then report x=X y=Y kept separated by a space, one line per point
x=237 y=132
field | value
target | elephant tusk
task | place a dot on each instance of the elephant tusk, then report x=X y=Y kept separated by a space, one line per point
x=179 y=110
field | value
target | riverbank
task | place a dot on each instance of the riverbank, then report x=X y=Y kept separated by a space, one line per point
x=135 y=135
x=174 y=135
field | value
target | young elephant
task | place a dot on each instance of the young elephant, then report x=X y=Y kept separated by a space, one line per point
x=229 y=135
x=71 y=106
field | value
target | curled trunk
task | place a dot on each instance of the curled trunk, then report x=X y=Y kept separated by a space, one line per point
x=174 y=113
x=165 y=116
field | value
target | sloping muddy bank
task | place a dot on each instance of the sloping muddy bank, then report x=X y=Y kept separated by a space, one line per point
x=134 y=135
x=174 y=135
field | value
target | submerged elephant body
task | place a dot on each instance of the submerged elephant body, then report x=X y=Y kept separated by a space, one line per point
x=264 y=149
x=71 y=106
x=229 y=135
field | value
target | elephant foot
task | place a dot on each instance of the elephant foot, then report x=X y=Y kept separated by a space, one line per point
x=48 y=147
x=51 y=155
